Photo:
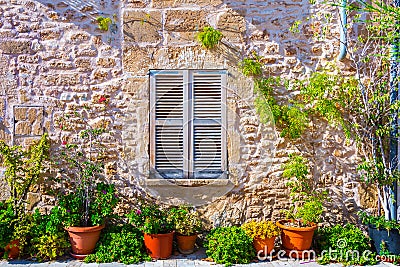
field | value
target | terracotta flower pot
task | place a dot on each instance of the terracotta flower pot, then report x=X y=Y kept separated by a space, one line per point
x=159 y=246
x=296 y=238
x=12 y=249
x=265 y=245
x=186 y=243
x=83 y=239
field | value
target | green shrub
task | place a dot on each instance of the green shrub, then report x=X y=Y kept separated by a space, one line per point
x=6 y=223
x=251 y=67
x=122 y=243
x=49 y=239
x=229 y=245
x=340 y=243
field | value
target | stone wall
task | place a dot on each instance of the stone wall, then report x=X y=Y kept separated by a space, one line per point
x=55 y=60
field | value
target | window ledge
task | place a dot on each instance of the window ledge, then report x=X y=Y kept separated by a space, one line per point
x=186 y=182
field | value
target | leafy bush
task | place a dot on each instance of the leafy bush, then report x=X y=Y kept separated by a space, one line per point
x=49 y=239
x=340 y=244
x=101 y=207
x=209 y=37
x=6 y=223
x=251 y=67
x=307 y=200
x=263 y=229
x=378 y=221
x=152 y=219
x=187 y=221
x=122 y=243
x=229 y=245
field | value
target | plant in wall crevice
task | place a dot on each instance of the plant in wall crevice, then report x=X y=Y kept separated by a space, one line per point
x=209 y=37
x=106 y=23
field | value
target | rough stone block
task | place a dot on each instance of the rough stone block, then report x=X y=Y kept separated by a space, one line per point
x=106 y=62
x=16 y=46
x=134 y=58
x=185 y=3
x=185 y=20
x=23 y=128
x=83 y=64
x=49 y=34
x=139 y=26
x=20 y=113
x=136 y=3
x=232 y=25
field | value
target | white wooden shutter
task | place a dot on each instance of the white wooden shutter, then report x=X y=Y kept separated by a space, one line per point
x=167 y=94
x=187 y=124
x=209 y=120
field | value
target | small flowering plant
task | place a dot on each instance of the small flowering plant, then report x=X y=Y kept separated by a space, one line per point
x=261 y=230
x=152 y=219
x=187 y=220
x=103 y=201
x=84 y=199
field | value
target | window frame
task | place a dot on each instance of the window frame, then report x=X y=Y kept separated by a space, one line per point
x=188 y=122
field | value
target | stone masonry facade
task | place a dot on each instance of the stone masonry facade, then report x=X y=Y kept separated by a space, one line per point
x=54 y=59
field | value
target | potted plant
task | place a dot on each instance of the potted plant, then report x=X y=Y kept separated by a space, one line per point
x=24 y=167
x=85 y=200
x=84 y=213
x=305 y=211
x=157 y=226
x=187 y=226
x=382 y=231
x=263 y=234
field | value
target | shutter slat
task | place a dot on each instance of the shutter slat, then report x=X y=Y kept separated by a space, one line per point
x=169 y=151
x=207 y=96
x=207 y=150
x=169 y=97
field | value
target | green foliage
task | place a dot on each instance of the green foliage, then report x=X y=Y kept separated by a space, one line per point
x=122 y=243
x=104 y=23
x=23 y=168
x=186 y=220
x=251 y=67
x=323 y=95
x=307 y=200
x=378 y=221
x=341 y=243
x=49 y=240
x=152 y=219
x=209 y=37
x=262 y=230
x=86 y=202
x=102 y=204
x=7 y=220
x=229 y=245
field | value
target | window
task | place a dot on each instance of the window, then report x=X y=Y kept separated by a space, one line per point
x=188 y=124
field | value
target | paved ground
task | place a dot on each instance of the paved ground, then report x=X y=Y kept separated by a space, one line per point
x=169 y=263
x=193 y=260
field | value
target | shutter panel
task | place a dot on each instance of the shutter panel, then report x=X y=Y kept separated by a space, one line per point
x=167 y=115
x=209 y=139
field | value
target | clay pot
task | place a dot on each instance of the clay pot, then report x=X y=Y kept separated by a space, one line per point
x=12 y=249
x=83 y=239
x=265 y=245
x=186 y=243
x=159 y=246
x=296 y=238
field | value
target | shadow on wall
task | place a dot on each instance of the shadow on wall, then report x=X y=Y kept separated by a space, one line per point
x=83 y=14
x=273 y=32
